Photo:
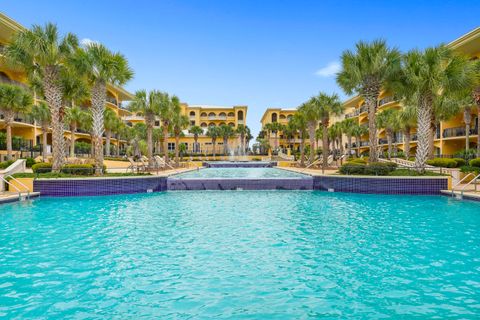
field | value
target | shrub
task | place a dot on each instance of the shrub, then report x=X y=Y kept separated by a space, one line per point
x=79 y=169
x=29 y=162
x=352 y=168
x=357 y=160
x=442 y=162
x=475 y=162
x=460 y=162
x=380 y=168
x=468 y=169
x=6 y=164
x=42 y=167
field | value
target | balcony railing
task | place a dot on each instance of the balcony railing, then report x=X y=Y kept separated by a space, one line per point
x=457 y=132
x=111 y=100
x=385 y=100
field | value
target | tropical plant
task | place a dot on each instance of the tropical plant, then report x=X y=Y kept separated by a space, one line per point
x=358 y=131
x=179 y=123
x=74 y=117
x=242 y=130
x=196 y=131
x=110 y=120
x=214 y=133
x=407 y=120
x=169 y=108
x=43 y=52
x=13 y=100
x=348 y=126
x=426 y=76
x=310 y=112
x=372 y=67
x=336 y=133
x=226 y=132
x=41 y=114
x=158 y=139
x=274 y=127
x=388 y=120
x=101 y=66
x=300 y=122
x=148 y=106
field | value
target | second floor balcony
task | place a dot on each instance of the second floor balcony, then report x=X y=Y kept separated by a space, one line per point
x=458 y=132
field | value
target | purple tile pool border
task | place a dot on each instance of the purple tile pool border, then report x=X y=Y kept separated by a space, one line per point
x=98 y=187
x=420 y=186
x=244 y=184
x=239 y=164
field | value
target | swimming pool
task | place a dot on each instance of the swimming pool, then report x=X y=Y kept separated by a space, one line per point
x=240 y=173
x=269 y=254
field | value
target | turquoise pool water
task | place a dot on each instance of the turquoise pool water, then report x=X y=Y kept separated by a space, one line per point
x=256 y=255
x=239 y=173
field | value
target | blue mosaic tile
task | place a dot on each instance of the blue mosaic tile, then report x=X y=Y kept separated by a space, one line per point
x=236 y=184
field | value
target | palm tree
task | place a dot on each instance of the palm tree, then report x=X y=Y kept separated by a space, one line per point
x=311 y=113
x=13 y=100
x=358 y=132
x=196 y=131
x=365 y=72
x=74 y=116
x=242 y=131
x=388 y=120
x=326 y=106
x=300 y=122
x=101 y=66
x=158 y=140
x=147 y=105
x=213 y=132
x=407 y=120
x=226 y=132
x=110 y=120
x=348 y=127
x=248 y=138
x=427 y=75
x=168 y=109
x=41 y=114
x=337 y=132
x=42 y=51
x=289 y=131
x=179 y=123
x=274 y=127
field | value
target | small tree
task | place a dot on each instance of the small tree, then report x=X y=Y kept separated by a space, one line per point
x=196 y=131
x=41 y=114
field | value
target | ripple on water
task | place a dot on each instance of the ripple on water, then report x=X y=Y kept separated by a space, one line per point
x=269 y=254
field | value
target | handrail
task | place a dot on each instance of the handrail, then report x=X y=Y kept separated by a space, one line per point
x=469 y=183
x=27 y=190
x=459 y=182
x=15 y=187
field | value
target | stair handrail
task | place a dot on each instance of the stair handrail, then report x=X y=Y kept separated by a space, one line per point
x=12 y=185
x=469 y=183
x=460 y=182
x=27 y=190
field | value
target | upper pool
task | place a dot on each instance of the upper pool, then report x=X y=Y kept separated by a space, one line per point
x=239 y=173
x=248 y=254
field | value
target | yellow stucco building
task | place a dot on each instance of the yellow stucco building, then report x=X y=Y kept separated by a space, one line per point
x=279 y=139
x=26 y=129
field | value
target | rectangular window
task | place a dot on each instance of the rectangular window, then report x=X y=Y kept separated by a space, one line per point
x=171 y=146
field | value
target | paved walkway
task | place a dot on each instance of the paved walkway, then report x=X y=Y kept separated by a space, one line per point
x=311 y=171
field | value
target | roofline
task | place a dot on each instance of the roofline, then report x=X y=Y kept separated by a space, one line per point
x=277 y=109
x=10 y=22
x=475 y=33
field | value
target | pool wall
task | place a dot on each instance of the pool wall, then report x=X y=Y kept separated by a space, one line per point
x=239 y=164
x=243 y=184
x=99 y=186
x=382 y=185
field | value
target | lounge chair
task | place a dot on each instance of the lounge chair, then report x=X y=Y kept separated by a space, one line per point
x=135 y=166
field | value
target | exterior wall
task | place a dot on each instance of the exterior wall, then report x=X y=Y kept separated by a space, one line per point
x=281 y=116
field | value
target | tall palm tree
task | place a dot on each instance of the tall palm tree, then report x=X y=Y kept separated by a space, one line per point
x=326 y=106
x=388 y=120
x=147 y=105
x=110 y=120
x=407 y=120
x=122 y=131
x=169 y=108
x=74 y=117
x=348 y=126
x=290 y=131
x=300 y=122
x=41 y=114
x=427 y=75
x=179 y=123
x=158 y=139
x=242 y=131
x=42 y=51
x=337 y=131
x=226 y=132
x=248 y=138
x=196 y=131
x=13 y=100
x=365 y=72
x=358 y=132
x=101 y=66
x=214 y=133
x=274 y=127
x=311 y=113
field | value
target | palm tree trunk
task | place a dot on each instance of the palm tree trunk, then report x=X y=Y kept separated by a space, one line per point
x=44 y=143
x=99 y=96
x=359 y=142
x=431 y=141
x=407 y=143
x=340 y=142
x=476 y=97
x=311 y=133
x=177 y=149
x=302 y=149
x=371 y=102
x=349 y=146
x=325 y=151
x=225 y=146
x=467 y=119
x=118 y=146
x=73 y=130
x=165 y=141
x=53 y=96
x=9 y=117
x=195 y=146
x=389 y=141
x=214 y=142
x=150 y=143
x=424 y=116
x=108 y=136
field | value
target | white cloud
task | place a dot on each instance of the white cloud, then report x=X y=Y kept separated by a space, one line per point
x=329 y=70
x=86 y=42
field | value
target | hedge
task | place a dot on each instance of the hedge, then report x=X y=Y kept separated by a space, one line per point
x=6 y=164
x=372 y=169
x=460 y=162
x=475 y=162
x=443 y=162
x=42 y=167
x=79 y=169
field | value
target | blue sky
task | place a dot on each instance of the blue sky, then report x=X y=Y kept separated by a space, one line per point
x=256 y=53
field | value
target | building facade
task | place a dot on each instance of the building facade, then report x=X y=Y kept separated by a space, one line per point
x=281 y=139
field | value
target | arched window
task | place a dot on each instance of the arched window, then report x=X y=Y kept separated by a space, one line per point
x=240 y=115
x=211 y=124
x=192 y=113
x=222 y=124
x=289 y=117
x=274 y=117
x=203 y=125
x=231 y=114
x=222 y=115
x=282 y=116
x=203 y=114
x=231 y=124
x=211 y=115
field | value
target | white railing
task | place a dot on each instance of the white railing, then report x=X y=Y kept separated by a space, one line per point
x=17 y=166
x=462 y=189
x=27 y=190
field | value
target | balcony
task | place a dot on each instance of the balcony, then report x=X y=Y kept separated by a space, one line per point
x=457 y=132
x=112 y=101
x=385 y=100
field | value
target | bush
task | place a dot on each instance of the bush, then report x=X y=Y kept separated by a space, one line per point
x=475 y=163
x=352 y=168
x=357 y=160
x=6 y=164
x=468 y=169
x=79 y=169
x=42 y=167
x=29 y=162
x=460 y=162
x=380 y=168
x=443 y=162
